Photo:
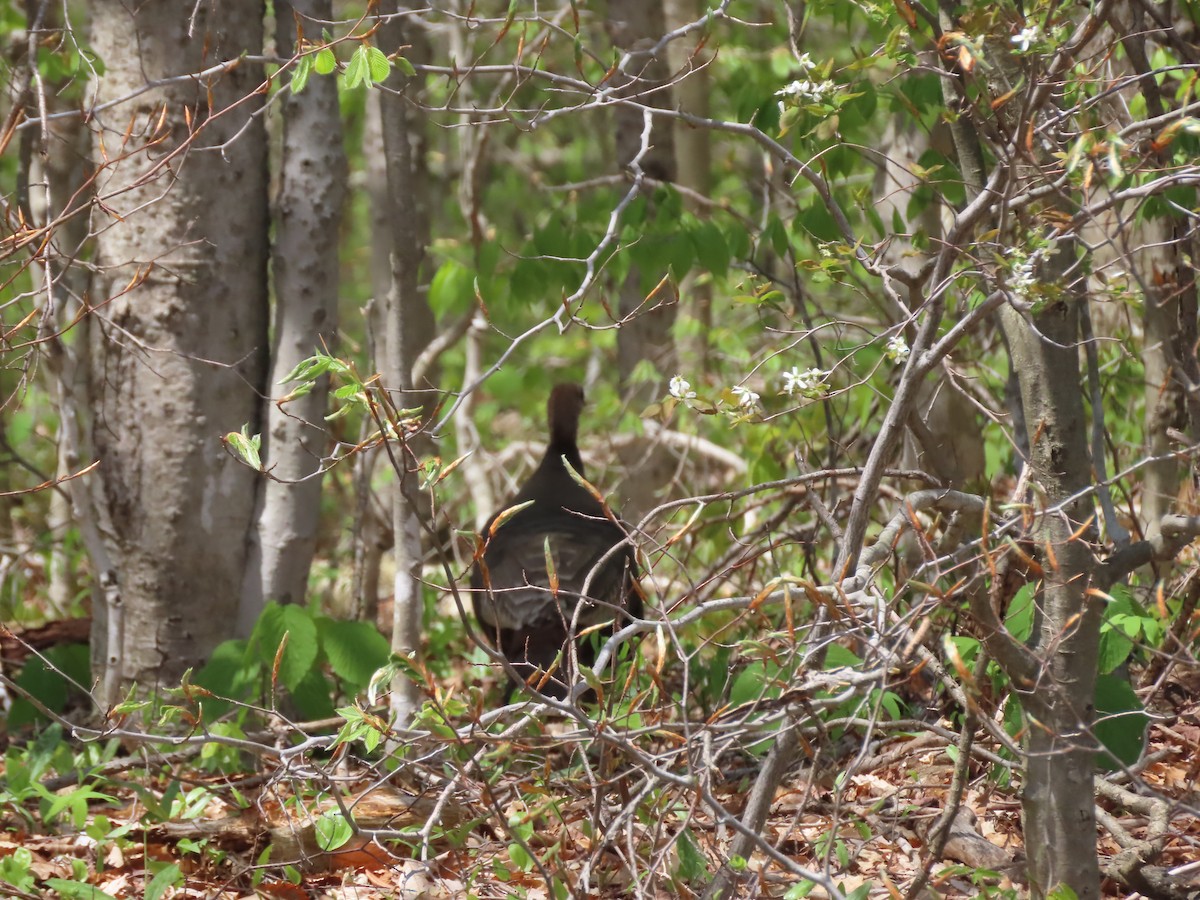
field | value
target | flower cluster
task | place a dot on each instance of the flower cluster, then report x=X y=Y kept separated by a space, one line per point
x=897 y=348
x=804 y=91
x=810 y=384
x=1021 y=277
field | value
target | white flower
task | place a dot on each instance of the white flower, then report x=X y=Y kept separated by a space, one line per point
x=746 y=398
x=1021 y=278
x=805 y=91
x=897 y=348
x=809 y=384
x=1026 y=36
x=680 y=389
x=805 y=63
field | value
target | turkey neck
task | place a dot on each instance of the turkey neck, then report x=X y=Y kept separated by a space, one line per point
x=566 y=401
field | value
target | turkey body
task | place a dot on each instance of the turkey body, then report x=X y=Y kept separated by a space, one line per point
x=526 y=617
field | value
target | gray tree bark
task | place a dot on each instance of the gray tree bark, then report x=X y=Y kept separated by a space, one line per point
x=646 y=333
x=180 y=343
x=635 y=26
x=1056 y=673
x=308 y=215
x=1165 y=277
x=1058 y=796
x=408 y=328
x=56 y=194
x=693 y=165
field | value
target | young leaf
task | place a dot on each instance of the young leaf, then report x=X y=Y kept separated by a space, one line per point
x=304 y=67
x=246 y=446
x=506 y=514
x=378 y=64
x=357 y=69
x=325 y=62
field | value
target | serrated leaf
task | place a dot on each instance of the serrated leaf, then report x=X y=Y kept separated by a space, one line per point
x=354 y=649
x=357 y=70
x=300 y=77
x=308 y=369
x=301 y=390
x=378 y=64
x=296 y=625
x=405 y=66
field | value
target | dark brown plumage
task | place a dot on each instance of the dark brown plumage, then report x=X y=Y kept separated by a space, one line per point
x=518 y=611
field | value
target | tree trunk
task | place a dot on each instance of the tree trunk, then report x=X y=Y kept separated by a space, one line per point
x=180 y=345
x=408 y=328
x=693 y=164
x=635 y=27
x=308 y=215
x=57 y=189
x=647 y=322
x=1056 y=675
x=1162 y=272
x=1058 y=796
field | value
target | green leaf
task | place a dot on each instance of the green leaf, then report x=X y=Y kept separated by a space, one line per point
x=711 y=250
x=304 y=67
x=1124 y=622
x=1019 y=618
x=839 y=657
x=1120 y=721
x=246 y=446
x=1061 y=892
x=313 y=695
x=75 y=890
x=775 y=236
x=354 y=650
x=452 y=289
x=332 y=830
x=520 y=857
x=757 y=680
x=301 y=652
x=314 y=367
x=46 y=678
x=405 y=66
x=325 y=62
x=171 y=876
x=358 y=69
x=378 y=64
x=692 y=866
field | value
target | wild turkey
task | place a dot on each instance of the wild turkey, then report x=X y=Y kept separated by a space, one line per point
x=518 y=611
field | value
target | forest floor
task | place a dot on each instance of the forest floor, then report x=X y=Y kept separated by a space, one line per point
x=115 y=836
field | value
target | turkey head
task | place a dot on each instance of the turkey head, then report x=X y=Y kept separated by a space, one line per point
x=525 y=605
